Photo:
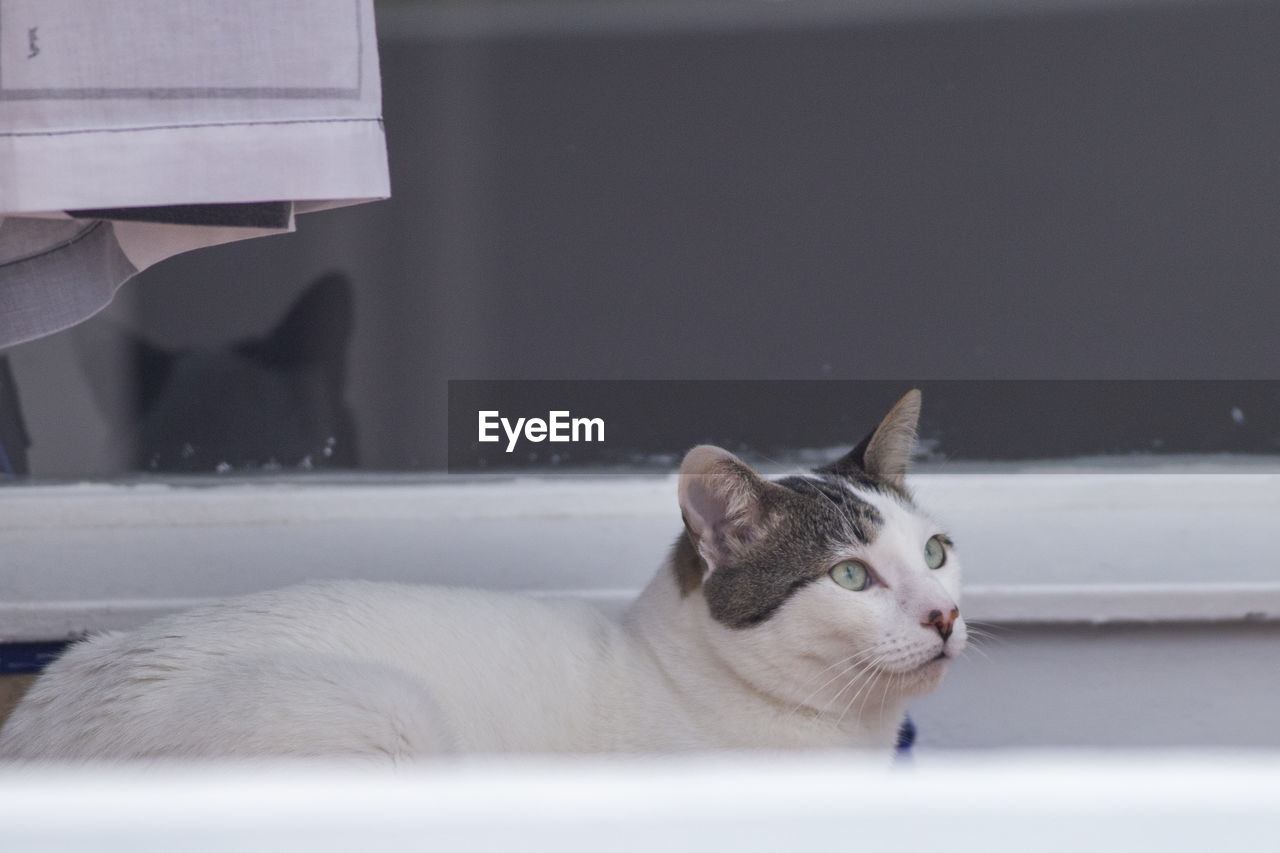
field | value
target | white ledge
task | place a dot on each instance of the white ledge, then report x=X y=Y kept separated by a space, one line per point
x=1052 y=547
x=1101 y=604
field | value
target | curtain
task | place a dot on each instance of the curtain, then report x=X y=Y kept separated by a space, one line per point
x=133 y=130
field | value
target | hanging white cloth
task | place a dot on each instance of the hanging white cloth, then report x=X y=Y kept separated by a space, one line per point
x=133 y=130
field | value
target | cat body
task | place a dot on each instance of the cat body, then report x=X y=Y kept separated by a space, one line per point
x=802 y=612
x=346 y=668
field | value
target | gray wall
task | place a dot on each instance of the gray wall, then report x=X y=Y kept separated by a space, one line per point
x=663 y=190
x=1164 y=685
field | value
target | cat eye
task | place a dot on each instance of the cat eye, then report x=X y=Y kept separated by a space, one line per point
x=852 y=575
x=935 y=553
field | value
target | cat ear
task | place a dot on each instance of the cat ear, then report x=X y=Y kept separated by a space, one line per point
x=886 y=453
x=723 y=501
x=314 y=331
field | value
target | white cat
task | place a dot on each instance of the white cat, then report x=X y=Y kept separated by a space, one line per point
x=801 y=612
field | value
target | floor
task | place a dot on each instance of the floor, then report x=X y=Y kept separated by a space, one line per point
x=11 y=689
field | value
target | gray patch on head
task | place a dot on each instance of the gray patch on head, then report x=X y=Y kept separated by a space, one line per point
x=809 y=519
x=858 y=478
x=863 y=519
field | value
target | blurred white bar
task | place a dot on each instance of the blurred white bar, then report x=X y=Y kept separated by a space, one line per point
x=962 y=802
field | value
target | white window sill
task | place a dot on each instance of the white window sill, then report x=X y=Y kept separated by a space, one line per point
x=1049 y=544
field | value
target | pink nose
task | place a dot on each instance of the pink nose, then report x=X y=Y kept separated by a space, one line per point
x=944 y=622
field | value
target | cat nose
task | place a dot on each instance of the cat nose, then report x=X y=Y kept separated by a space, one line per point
x=944 y=622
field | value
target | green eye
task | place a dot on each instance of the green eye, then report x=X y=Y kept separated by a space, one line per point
x=852 y=575
x=935 y=553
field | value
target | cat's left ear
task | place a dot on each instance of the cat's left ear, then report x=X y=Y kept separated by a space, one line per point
x=886 y=453
x=725 y=504
x=315 y=331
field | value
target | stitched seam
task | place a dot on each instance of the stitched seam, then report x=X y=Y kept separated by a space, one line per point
x=70 y=241
x=190 y=126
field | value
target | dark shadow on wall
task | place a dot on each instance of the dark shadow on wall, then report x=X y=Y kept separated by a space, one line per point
x=265 y=403
x=13 y=431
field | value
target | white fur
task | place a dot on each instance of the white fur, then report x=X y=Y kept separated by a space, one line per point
x=389 y=671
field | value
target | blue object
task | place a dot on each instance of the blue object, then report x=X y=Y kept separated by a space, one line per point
x=906 y=737
x=24 y=658
x=6 y=467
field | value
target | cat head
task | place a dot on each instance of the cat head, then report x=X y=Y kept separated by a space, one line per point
x=265 y=402
x=830 y=586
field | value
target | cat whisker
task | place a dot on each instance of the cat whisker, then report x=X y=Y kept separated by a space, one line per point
x=979 y=639
x=851 y=662
x=865 y=653
x=884 y=694
x=977 y=648
x=985 y=629
x=983 y=633
x=875 y=672
x=865 y=673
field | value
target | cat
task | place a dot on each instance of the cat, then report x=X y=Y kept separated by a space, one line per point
x=791 y=613
x=270 y=402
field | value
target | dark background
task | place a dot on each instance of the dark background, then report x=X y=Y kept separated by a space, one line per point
x=802 y=191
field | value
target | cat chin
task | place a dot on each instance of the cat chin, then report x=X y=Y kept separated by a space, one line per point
x=925 y=677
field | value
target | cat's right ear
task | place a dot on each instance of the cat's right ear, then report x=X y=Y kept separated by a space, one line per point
x=315 y=331
x=724 y=502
